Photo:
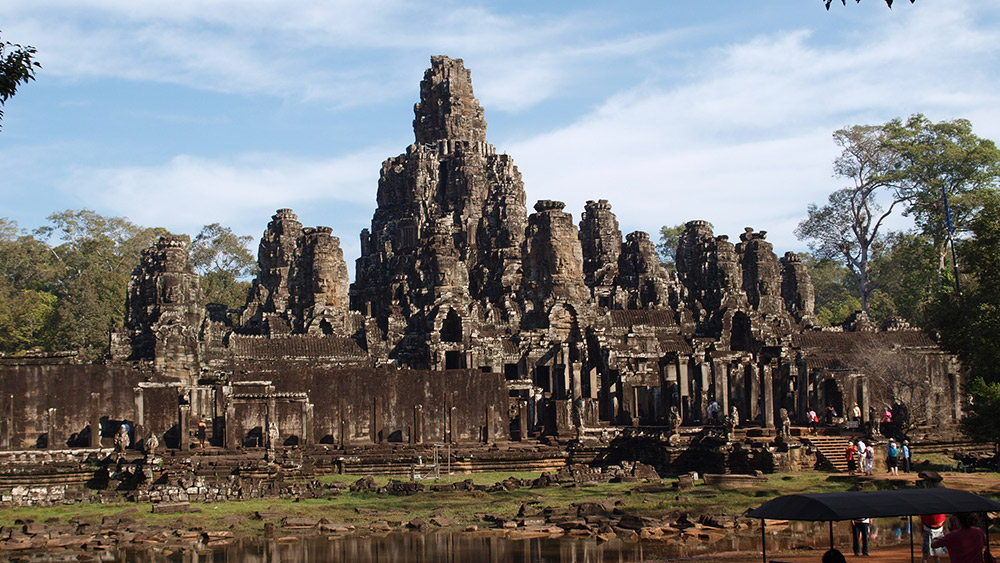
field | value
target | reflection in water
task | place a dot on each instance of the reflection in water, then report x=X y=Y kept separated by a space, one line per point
x=455 y=547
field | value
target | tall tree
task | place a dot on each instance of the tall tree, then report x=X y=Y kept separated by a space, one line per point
x=667 y=247
x=942 y=162
x=968 y=325
x=224 y=262
x=849 y=225
x=17 y=66
x=93 y=258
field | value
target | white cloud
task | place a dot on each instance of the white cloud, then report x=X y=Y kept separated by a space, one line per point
x=746 y=140
x=188 y=192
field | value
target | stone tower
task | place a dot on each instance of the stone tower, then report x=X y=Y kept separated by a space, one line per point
x=447 y=234
x=162 y=310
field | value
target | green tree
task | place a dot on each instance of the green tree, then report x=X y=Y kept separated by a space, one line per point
x=224 y=262
x=93 y=257
x=968 y=324
x=939 y=160
x=903 y=274
x=848 y=226
x=833 y=288
x=17 y=66
x=667 y=247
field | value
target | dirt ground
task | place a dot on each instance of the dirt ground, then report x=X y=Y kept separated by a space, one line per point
x=980 y=483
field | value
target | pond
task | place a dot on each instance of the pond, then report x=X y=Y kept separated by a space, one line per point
x=488 y=547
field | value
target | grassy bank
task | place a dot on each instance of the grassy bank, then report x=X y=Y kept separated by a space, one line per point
x=465 y=507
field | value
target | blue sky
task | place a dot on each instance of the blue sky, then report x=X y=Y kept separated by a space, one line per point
x=186 y=112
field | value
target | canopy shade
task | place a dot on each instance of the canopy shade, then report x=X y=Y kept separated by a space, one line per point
x=823 y=507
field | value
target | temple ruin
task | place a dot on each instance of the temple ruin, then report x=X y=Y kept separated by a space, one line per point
x=469 y=321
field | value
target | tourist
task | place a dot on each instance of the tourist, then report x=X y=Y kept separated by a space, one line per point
x=965 y=542
x=933 y=525
x=892 y=457
x=829 y=414
x=856 y=413
x=886 y=426
x=851 y=454
x=834 y=556
x=860 y=529
x=713 y=412
x=906 y=456
x=870 y=460
x=812 y=419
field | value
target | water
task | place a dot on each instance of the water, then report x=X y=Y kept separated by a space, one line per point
x=487 y=547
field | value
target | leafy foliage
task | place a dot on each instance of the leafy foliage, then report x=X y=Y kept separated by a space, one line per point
x=223 y=261
x=17 y=66
x=848 y=227
x=667 y=247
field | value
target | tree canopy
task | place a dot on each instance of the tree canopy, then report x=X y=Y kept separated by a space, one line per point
x=17 y=67
x=63 y=286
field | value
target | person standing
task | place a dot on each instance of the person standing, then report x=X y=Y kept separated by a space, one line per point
x=892 y=457
x=965 y=542
x=906 y=456
x=851 y=453
x=933 y=526
x=860 y=529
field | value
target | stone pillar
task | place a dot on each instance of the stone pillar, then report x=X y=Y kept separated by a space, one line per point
x=865 y=401
x=184 y=416
x=307 y=424
x=705 y=373
x=342 y=428
x=230 y=422
x=418 y=425
x=489 y=429
x=720 y=371
x=7 y=436
x=767 y=395
x=53 y=441
x=756 y=407
x=592 y=376
x=95 y=420
x=375 y=429
x=575 y=369
x=524 y=425
x=685 y=387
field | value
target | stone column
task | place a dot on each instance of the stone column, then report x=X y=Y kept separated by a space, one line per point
x=524 y=424
x=418 y=425
x=184 y=416
x=592 y=375
x=720 y=371
x=342 y=427
x=95 y=420
x=307 y=424
x=53 y=434
x=375 y=429
x=685 y=387
x=865 y=401
x=755 y=402
x=230 y=422
x=767 y=394
x=7 y=437
x=705 y=372
x=489 y=429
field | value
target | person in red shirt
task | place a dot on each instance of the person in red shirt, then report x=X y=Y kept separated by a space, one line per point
x=933 y=529
x=965 y=542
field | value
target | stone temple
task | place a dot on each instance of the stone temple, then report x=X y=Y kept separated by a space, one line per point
x=471 y=319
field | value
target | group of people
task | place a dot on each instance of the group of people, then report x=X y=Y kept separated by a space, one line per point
x=861 y=455
x=965 y=543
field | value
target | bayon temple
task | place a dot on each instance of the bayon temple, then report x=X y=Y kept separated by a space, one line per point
x=472 y=319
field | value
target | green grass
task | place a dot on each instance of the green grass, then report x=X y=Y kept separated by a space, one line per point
x=467 y=507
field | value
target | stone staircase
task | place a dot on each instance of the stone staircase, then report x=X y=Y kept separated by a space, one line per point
x=830 y=450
